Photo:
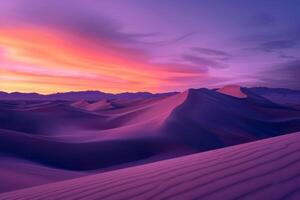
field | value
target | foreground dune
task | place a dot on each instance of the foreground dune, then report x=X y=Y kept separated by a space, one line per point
x=18 y=173
x=265 y=169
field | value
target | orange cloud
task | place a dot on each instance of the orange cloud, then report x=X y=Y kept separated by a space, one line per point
x=45 y=61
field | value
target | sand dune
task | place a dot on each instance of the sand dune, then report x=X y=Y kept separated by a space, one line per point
x=17 y=173
x=279 y=95
x=208 y=120
x=95 y=106
x=80 y=104
x=60 y=135
x=99 y=105
x=266 y=169
x=117 y=133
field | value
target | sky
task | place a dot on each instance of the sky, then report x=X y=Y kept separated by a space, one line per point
x=115 y=46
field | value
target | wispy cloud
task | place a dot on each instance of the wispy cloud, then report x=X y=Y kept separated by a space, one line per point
x=203 y=62
x=278 y=45
x=210 y=52
x=284 y=74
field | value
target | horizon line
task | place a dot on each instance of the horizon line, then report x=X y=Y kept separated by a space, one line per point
x=134 y=92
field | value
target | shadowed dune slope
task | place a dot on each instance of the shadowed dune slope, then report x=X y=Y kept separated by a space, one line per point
x=79 y=156
x=279 y=95
x=265 y=169
x=208 y=120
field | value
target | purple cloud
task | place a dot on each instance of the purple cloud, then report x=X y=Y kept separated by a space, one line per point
x=284 y=75
x=203 y=62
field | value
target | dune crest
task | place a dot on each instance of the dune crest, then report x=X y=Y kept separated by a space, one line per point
x=232 y=90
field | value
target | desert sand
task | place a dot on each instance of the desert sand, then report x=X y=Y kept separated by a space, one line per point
x=266 y=169
x=157 y=147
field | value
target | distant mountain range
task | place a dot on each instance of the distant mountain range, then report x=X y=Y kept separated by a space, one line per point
x=278 y=95
x=75 y=96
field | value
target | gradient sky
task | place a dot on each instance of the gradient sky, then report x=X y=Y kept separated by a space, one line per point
x=115 y=46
